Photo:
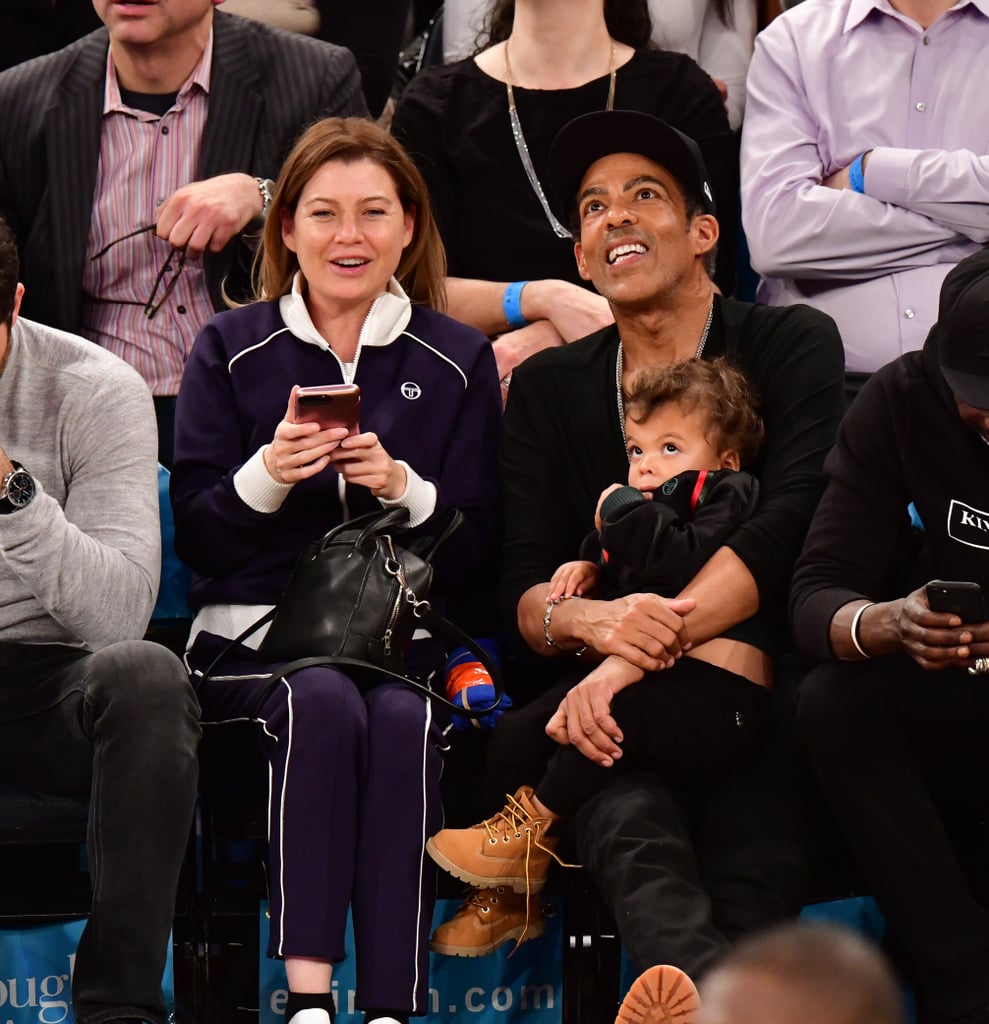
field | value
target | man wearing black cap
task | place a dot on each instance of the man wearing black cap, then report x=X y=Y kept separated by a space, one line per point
x=637 y=193
x=897 y=720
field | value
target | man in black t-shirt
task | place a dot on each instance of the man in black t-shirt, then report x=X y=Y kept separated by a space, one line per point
x=638 y=193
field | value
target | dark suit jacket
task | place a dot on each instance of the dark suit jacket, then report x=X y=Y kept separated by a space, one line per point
x=266 y=86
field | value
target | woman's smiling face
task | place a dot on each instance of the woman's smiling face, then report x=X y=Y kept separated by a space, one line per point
x=348 y=232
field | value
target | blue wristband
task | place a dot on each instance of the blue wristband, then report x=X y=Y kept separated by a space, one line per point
x=512 y=304
x=855 y=176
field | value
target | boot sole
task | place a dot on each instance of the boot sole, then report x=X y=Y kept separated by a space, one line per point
x=661 y=995
x=514 y=882
x=445 y=949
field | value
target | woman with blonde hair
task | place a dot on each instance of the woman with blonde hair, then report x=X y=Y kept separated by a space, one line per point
x=351 y=268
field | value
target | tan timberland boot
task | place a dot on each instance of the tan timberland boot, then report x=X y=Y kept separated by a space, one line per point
x=660 y=995
x=486 y=919
x=509 y=849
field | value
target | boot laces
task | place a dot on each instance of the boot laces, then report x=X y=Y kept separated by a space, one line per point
x=482 y=898
x=515 y=819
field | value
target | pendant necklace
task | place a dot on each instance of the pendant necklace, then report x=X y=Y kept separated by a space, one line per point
x=520 y=144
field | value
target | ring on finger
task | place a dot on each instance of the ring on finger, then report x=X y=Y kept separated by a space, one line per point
x=981 y=667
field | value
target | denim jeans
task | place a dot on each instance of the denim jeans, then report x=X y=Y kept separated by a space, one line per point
x=122 y=726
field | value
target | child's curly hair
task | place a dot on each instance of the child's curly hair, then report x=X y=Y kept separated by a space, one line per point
x=722 y=394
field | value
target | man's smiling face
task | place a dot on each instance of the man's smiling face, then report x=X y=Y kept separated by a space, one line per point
x=635 y=239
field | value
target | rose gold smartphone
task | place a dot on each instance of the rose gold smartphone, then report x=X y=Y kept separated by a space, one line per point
x=332 y=405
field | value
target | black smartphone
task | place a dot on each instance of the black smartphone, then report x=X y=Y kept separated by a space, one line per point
x=332 y=405
x=958 y=597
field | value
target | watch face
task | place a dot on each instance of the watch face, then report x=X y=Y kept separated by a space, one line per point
x=20 y=488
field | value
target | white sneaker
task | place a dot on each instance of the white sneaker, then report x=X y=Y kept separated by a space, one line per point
x=313 y=1015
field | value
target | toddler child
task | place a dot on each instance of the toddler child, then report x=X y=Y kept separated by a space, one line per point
x=688 y=428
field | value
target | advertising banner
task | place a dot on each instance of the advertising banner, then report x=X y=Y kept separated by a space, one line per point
x=36 y=967
x=525 y=988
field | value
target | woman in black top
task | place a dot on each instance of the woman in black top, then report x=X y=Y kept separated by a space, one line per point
x=560 y=57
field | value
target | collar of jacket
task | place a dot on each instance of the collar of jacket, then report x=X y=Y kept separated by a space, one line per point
x=387 y=318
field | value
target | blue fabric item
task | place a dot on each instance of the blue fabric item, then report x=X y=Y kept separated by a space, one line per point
x=173 y=591
x=855 y=175
x=477 y=698
x=479 y=695
x=915 y=521
x=511 y=304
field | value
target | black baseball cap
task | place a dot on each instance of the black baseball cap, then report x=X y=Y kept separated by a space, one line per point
x=963 y=330
x=587 y=138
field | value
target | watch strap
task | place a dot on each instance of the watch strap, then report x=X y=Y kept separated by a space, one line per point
x=6 y=504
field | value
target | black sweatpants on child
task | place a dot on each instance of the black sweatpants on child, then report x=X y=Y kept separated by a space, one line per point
x=689 y=724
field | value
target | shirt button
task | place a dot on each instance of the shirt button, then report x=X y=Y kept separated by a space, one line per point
x=181 y=309
x=164 y=130
x=921 y=107
x=909 y=314
x=927 y=40
x=159 y=200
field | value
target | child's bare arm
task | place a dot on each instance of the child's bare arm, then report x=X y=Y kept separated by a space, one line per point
x=573 y=579
x=584 y=715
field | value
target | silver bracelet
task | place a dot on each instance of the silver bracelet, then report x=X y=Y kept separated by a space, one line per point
x=855 y=629
x=547 y=618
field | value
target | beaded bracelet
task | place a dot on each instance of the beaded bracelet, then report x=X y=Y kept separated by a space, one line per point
x=547 y=636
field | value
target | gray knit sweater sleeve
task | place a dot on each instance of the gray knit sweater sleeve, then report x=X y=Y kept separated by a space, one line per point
x=80 y=564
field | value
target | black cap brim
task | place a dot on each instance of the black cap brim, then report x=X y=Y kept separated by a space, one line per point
x=970 y=388
x=588 y=138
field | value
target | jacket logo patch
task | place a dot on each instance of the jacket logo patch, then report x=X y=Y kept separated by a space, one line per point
x=968 y=525
x=670 y=486
x=411 y=390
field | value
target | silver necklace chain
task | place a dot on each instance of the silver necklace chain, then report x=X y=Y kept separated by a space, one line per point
x=620 y=369
x=522 y=146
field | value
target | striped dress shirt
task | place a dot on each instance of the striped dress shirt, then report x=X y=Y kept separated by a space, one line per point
x=143 y=160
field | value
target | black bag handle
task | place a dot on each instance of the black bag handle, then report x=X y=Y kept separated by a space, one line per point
x=438 y=626
x=426 y=547
x=371 y=524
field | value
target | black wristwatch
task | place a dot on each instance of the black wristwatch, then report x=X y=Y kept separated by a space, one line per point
x=17 y=490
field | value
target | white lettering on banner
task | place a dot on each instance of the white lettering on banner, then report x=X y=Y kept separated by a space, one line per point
x=537 y=992
x=335 y=992
x=476 y=1000
x=44 y=994
x=501 y=999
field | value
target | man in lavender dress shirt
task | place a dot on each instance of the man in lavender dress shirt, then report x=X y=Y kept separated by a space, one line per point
x=173 y=115
x=865 y=163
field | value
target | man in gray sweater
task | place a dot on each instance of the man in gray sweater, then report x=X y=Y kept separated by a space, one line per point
x=86 y=706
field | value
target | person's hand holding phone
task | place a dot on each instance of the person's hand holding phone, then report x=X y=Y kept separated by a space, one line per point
x=935 y=638
x=362 y=459
x=300 y=450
